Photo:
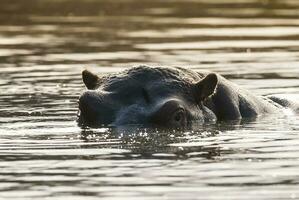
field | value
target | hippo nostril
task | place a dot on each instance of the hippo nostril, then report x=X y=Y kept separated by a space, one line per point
x=88 y=104
x=95 y=109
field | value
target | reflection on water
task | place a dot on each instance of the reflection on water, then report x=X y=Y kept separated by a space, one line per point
x=44 y=46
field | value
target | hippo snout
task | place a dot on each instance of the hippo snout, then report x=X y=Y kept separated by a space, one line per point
x=95 y=109
x=87 y=106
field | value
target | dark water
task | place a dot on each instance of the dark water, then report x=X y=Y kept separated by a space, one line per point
x=44 y=46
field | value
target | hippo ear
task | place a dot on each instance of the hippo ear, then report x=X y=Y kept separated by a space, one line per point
x=90 y=80
x=205 y=87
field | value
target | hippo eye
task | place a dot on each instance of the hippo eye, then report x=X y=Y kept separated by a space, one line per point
x=179 y=117
x=171 y=114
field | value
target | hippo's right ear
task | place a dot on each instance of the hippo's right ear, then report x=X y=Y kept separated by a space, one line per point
x=205 y=87
x=90 y=80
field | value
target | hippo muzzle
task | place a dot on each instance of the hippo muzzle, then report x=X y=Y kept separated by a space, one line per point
x=94 y=111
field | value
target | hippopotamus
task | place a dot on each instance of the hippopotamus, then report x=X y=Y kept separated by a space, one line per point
x=171 y=97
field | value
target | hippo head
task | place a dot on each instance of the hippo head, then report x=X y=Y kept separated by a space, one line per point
x=146 y=96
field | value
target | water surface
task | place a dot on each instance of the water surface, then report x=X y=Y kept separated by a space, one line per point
x=44 y=46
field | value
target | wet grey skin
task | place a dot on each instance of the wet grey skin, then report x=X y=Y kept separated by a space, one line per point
x=171 y=97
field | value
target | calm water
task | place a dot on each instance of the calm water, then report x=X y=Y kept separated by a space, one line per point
x=44 y=46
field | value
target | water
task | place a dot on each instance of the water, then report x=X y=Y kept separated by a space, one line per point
x=44 y=46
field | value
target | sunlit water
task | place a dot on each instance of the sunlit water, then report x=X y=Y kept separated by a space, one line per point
x=44 y=46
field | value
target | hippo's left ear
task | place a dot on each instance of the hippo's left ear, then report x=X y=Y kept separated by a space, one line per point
x=90 y=80
x=205 y=87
